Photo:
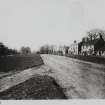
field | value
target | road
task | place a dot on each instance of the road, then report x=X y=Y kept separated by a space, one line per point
x=79 y=79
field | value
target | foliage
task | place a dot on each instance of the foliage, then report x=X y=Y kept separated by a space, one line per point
x=25 y=50
x=7 y=51
x=95 y=33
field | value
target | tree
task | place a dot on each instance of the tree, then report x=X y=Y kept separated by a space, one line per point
x=66 y=49
x=11 y=51
x=90 y=35
x=83 y=39
x=25 y=50
x=96 y=33
x=43 y=49
x=2 y=49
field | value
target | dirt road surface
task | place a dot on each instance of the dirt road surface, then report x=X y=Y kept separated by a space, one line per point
x=79 y=79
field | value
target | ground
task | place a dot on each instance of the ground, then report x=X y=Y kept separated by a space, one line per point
x=37 y=87
x=78 y=79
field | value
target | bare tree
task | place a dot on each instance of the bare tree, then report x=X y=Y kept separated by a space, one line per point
x=83 y=39
x=25 y=50
x=90 y=35
x=66 y=49
x=44 y=49
x=96 y=33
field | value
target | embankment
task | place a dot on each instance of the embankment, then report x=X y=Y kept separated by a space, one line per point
x=94 y=59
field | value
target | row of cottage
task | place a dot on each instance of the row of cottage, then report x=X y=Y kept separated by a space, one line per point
x=88 y=47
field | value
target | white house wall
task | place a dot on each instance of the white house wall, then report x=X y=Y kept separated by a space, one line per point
x=73 y=49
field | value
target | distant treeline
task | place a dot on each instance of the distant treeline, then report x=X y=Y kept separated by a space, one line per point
x=4 y=50
x=53 y=49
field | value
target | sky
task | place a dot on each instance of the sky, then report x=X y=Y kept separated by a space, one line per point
x=34 y=23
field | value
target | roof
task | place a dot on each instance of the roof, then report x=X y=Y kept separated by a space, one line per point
x=92 y=42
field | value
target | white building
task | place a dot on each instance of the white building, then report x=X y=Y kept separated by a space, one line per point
x=91 y=47
x=74 y=48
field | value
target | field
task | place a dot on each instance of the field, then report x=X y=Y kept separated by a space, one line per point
x=19 y=62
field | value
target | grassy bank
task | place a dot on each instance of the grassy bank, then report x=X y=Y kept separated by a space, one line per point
x=19 y=62
x=94 y=59
x=38 y=87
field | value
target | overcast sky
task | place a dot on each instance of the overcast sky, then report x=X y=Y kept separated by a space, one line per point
x=37 y=22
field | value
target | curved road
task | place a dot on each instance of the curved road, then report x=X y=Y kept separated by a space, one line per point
x=79 y=79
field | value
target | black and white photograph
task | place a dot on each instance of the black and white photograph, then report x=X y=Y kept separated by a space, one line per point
x=52 y=50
